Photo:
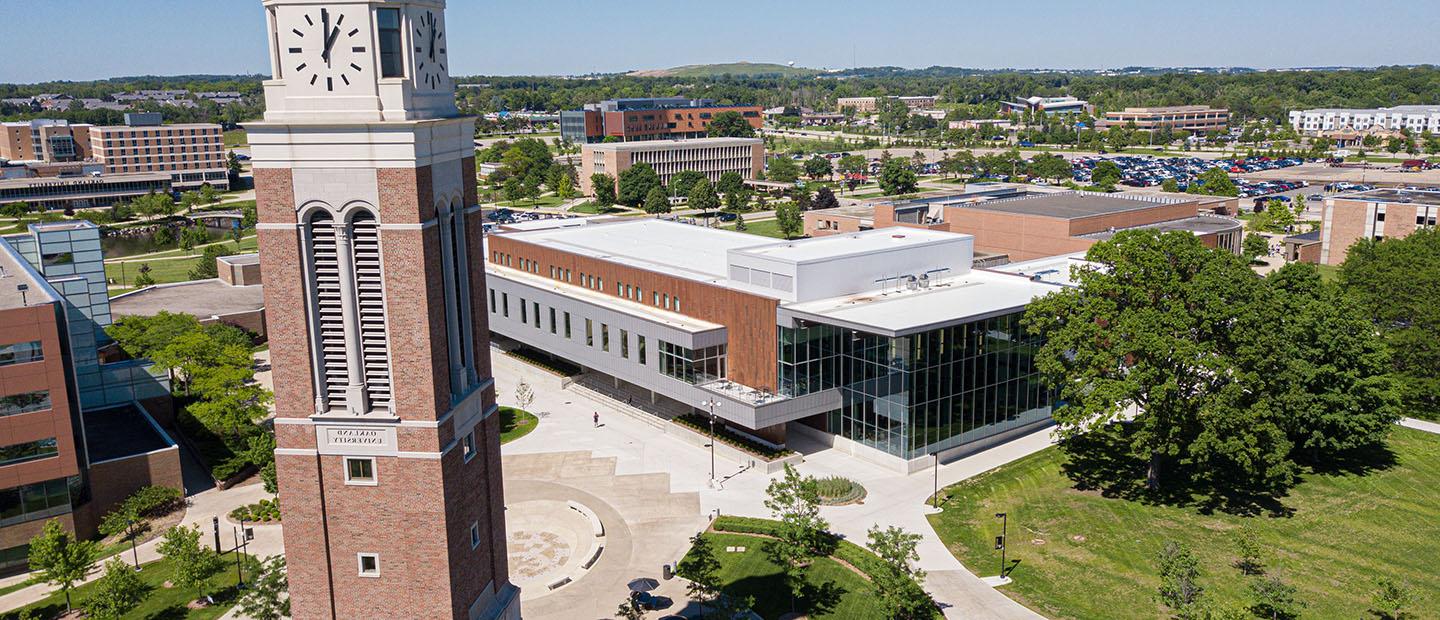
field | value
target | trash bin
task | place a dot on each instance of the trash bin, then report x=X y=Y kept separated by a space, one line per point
x=667 y=572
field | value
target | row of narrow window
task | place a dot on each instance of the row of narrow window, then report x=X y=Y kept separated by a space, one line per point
x=592 y=282
x=560 y=323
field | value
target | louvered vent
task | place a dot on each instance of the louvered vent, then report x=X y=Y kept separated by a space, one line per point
x=329 y=323
x=461 y=281
x=370 y=290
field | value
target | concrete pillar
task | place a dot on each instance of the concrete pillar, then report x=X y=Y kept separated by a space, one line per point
x=355 y=397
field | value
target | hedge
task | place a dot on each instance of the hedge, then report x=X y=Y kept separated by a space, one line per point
x=701 y=423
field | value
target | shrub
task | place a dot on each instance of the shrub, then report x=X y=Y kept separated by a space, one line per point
x=146 y=503
x=702 y=424
x=835 y=491
x=265 y=511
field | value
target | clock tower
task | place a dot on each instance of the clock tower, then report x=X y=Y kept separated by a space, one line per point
x=388 y=452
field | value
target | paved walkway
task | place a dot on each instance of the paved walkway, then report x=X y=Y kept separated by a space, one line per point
x=1420 y=425
x=894 y=499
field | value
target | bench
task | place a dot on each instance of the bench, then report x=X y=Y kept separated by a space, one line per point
x=595 y=525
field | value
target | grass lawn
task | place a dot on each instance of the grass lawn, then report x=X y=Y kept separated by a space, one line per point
x=1346 y=530
x=764 y=228
x=752 y=574
x=532 y=203
x=1329 y=273
x=591 y=208
x=516 y=423
x=247 y=244
x=236 y=137
x=163 y=271
x=160 y=602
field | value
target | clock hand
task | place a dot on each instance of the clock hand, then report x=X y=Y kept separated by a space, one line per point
x=325 y=35
x=330 y=43
x=432 y=41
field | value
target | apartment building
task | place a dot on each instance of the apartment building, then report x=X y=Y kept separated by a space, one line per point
x=45 y=140
x=1375 y=214
x=1416 y=118
x=709 y=156
x=1025 y=223
x=656 y=118
x=888 y=344
x=1047 y=105
x=1197 y=119
x=871 y=105
x=193 y=154
x=80 y=432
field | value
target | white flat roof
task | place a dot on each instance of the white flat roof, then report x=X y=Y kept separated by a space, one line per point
x=852 y=244
x=681 y=250
x=950 y=301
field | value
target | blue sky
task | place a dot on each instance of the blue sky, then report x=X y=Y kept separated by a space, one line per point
x=105 y=38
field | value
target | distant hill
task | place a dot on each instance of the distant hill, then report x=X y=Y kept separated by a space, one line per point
x=737 y=69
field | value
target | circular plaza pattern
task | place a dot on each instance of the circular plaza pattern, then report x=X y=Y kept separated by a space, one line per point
x=548 y=543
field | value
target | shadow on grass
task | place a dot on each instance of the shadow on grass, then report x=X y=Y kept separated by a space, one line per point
x=772 y=595
x=1103 y=461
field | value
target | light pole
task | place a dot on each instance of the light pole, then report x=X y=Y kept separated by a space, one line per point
x=1001 y=541
x=935 y=497
x=134 y=553
x=711 y=403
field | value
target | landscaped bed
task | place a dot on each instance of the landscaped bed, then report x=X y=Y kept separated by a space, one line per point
x=751 y=573
x=1344 y=530
x=516 y=423
x=159 y=602
x=700 y=423
x=548 y=362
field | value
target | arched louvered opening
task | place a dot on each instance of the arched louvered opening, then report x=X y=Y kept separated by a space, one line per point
x=461 y=288
x=328 y=313
x=370 y=298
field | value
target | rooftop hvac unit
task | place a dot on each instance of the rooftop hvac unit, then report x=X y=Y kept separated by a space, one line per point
x=925 y=280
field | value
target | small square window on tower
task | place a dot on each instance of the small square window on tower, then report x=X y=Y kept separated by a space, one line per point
x=467 y=445
x=369 y=564
x=360 y=471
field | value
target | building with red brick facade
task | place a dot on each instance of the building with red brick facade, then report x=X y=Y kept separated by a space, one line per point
x=662 y=118
x=388 y=453
x=76 y=433
x=1027 y=223
x=1375 y=214
x=825 y=338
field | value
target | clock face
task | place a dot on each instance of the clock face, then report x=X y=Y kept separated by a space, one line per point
x=326 y=52
x=430 y=56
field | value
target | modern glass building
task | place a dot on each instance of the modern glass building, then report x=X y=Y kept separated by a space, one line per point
x=911 y=396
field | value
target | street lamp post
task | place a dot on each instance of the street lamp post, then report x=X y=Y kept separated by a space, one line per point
x=134 y=553
x=935 y=497
x=1003 y=541
x=711 y=404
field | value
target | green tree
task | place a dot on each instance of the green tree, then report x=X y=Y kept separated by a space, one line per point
x=1179 y=576
x=1255 y=246
x=656 y=201
x=794 y=500
x=116 y=592
x=603 y=187
x=232 y=163
x=14 y=209
x=702 y=570
x=853 y=164
x=893 y=114
x=1145 y=330
x=740 y=225
x=142 y=336
x=1247 y=553
x=565 y=187
x=1170 y=185
x=730 y=181
x=825 y=199
x=1274 y=599
x=1106 y=174
x=205 y=268
x=630 y=610
x=192 y=564
x=898 y=585
x=143 y=277
x=897 y=178
x=703 y=198
x=266 y=598
x=1215 y=182
x=782 y=169
x=1391 y=598
x=737 y=201
x=1298 y=205
x=61 y=560
x=636 y=183
x=1052 y=167
x=190 y=200
x=788 y=217
x=1397 y=285
x=681 y=183
x=818 y=167
x=730 y=124
x=229 y=402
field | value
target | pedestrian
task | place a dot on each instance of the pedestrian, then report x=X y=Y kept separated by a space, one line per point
x=597 y=419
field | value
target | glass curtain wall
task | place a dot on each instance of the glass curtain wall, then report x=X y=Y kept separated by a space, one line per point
x=914 y=395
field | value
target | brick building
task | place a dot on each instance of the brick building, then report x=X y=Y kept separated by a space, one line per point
x=659 y=118
x=193 y=154
x=709 y=156
x=80 y=433
x=1374 y=214
x=1029 y=223
x=784 y=337
x=45 y=140
x=388 y=452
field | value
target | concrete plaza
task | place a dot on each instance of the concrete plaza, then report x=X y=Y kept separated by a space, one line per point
x=631 y=438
